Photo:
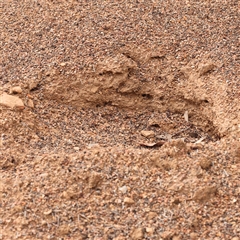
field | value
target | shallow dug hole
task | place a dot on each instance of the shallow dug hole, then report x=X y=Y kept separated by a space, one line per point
x=52 y=127
x=167 y=88
x=73 y=127
x=120 y=104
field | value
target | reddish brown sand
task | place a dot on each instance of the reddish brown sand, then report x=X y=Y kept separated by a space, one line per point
x=129 y=123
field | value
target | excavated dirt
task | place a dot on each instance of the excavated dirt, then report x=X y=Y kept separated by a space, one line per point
x=120 y=120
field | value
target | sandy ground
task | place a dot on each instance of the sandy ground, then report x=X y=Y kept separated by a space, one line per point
x=120 y=120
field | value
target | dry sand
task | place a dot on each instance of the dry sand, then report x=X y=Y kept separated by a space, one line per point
x=120 y=120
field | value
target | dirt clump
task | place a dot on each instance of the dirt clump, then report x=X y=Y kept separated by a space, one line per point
x=204 y=194
x=205 y=163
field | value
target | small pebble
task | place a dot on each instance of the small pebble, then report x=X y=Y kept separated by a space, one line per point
x=16 y=89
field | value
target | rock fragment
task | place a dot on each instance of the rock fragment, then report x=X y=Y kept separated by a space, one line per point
x=32 y=85
x=48 y=212
x=64 y=230
x=193 y=235
x=167 y=235
x=205 y=68
x=186 y=116
x=123 y=189
x=151 y=215
x=15 y=90
x=30 y=103
x=63 y=64
x=11 y=101
x=71 y=193
x=205 y=194
x=120 y=237
x=150 y=230
x=205 y=163
x=148 y=134
x=128 y=201
x=137 y=233
x=94 y=180
x=176 y=238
